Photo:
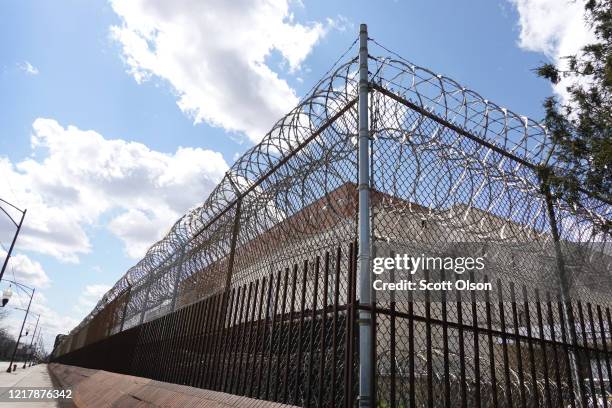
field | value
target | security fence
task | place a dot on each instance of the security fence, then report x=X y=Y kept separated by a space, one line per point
x=256 y=291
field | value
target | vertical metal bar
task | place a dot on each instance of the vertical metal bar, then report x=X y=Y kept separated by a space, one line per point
x=352 y=323
x=237 y=349
x=162 y=366
x=288 y=364
x=461 y=350
x=392 y=353
x=166 y=367
x=311 y=336
x=178 y=336
x=348 y=339
x=156 y=345
x=603 y=333
x=296 y=391
x=322 y=347
x=502 y=319
x=476 y=330
x=253 y=342
x=534 y=377
x=575 y=357
x=257 y=342
x=263 y=341
x=197 y=341
x=230 y=343
x=489 y=318
x=586 y=350
x=565 y=288
x=182 y=335
x=271 y=352
x=335 y=326
x=594 y=337
x=192 y=345
x=222 y=332
x=139 y=350
x=204 y=342
x=365 y=363
x=543 y=348
x=284 y=337
x=553 y=337
x=517 y=339
x=566 y=352
x=428 y=345
x=230 y=351
x=392 y=341
x=190 y=354
x=373 y=352
x=213 y=337
x=243 y=345
x=444 y=305
x=411 y=353
x=186 y=346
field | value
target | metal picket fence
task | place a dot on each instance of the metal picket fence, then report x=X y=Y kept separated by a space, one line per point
x=256 y=291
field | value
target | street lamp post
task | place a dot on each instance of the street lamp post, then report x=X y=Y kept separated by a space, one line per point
x=31 y=343
x=6 y=296
x=10 y=368
x=18 y=225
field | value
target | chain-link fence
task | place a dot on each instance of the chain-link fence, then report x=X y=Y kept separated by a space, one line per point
x=254 y=292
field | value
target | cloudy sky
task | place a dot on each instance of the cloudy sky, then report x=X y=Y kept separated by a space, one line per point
x=118 y=116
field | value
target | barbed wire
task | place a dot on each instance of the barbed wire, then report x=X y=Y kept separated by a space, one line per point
x=440 y=152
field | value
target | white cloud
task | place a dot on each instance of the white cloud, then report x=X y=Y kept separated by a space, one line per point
x=556 y=28
x=76 y=176
x=51 y=323
x=90 y=296
x=28 y=68
x=213 y=53
x=25 y=270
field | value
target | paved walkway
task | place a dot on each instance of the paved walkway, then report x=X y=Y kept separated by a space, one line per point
x=102 y=389
x=35 y=376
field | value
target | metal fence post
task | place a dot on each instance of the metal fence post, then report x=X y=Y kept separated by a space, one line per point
x=125 y=305
x=146 y=298
x=365 y=323
x=232 y=254
x=177 y=280
x=565 y=291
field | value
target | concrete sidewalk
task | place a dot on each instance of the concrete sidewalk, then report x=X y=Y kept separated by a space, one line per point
x=35 y=376
x=103 y=389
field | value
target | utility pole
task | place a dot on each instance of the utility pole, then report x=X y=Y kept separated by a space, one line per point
x=31 y=343
x=365 y=287
x=10 y=368
x=18 y=225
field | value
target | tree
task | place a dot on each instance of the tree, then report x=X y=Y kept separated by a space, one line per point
x=7 y=342
x=581 y=127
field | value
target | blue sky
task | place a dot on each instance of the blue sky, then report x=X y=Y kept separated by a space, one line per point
x=156 y=130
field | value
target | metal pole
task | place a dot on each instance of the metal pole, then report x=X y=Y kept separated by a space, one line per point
x=146 y=299
x=8 y=255
x=10 y=368
x=31 y=343
x=125 y=305
x=38 y=343
x=565 y=291
x=177 y=280
x=365 y=323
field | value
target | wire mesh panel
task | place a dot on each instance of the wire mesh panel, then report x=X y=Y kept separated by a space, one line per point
x=254 y=293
